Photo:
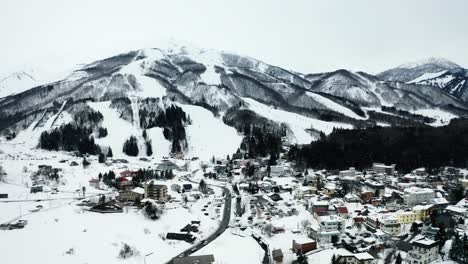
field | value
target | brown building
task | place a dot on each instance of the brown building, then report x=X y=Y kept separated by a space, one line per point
x=277 y=255
x=303 y=246
x=157 y=192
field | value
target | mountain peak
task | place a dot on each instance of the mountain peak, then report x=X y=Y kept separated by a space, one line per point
x=440 y=62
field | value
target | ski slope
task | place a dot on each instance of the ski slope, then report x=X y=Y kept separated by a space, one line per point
x=427 y=76
x=297 y=123
x=208 y=136
x=334 y=106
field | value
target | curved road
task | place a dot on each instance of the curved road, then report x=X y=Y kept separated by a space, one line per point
x=222 y=227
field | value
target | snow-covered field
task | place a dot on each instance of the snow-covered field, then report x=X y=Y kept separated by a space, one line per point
x=62 y=225
x=442 y=117
x=230 y=248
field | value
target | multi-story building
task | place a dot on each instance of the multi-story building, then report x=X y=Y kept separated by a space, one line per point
x=423 y=251
x=329 y=230
x=155 y=191
x=348 y=173
x=415 y=196
x=382 y=168
x=407 y=217
x=423 y=211
x=388 y=223
x=419 y=213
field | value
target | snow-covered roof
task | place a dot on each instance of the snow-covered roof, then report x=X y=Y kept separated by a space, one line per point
x=138 y=190
x=456 y=209
x=363 y=256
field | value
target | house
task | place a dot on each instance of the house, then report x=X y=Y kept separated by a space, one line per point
x=382 y=168
x=128 y=173
x=276 y=197
x=167 y=165
x=137 y=193
x=352 y=198
x=181 y=236
x=202 y=259
x=423 y=251
x=457 y=211
x=156 y=191
x=277 y=255
x=303 y=246
x=304 y=191
x=342 y=211
x=186 y=187
x=329 y=229
x=190 y=228
x=94 y=183
x=125 y=183
x=367 y=196
x=358 y=258
x=112 y=206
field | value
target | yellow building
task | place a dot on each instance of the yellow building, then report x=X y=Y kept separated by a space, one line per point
x=419 y=213
x=407 y=217
x=423 y=211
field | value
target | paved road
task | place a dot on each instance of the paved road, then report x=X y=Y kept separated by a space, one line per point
x=222 y=227
x=264 y=246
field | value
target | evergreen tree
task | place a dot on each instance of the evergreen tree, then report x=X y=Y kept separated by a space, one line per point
x=145 y=136
x=109 y=153
x=398 y=259
x=456 y=193
x=149 y=148
x=202 y=186
x=130 y=146
x=85 y=163
x=101 y=158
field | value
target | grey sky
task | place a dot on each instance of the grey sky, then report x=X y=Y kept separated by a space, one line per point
x=302 y=35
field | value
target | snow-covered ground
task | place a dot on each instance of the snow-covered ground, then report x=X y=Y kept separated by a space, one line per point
x=427 y=76
x=442 y=117
x=334 y=106
x=299 y=124
x=208 y=136
x=230 y=248
x=63 y=225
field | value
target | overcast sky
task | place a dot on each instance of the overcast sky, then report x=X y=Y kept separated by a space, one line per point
x=301 y=35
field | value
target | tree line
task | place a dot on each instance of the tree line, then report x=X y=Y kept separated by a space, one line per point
x=69 y=137
x=408 y=147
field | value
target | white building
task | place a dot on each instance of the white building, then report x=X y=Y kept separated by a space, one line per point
x=382 y=168
x=356 y=258
x=414 y=196
x=388 y=223
x=348 y=173
x=329 y=230
x=423 y=251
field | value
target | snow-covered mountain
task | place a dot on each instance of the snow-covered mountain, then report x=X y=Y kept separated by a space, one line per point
x=437 y=72
x=224 y=92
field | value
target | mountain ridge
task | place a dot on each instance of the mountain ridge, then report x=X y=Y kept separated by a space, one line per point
x=219 y=81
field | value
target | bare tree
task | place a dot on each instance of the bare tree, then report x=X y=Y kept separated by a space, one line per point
x=305 y=224
x=2 y=173
x=268 y=230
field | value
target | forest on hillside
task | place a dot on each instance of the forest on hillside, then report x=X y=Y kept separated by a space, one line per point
x=408 y=147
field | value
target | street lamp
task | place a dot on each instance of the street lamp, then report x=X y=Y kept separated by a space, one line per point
x=144 y=258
